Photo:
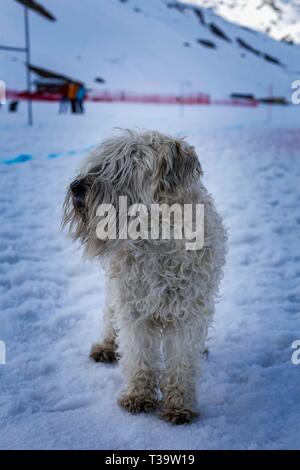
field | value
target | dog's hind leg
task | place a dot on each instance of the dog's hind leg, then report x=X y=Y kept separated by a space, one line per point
x=139 y=342
x=106 y=351
x=182 y=345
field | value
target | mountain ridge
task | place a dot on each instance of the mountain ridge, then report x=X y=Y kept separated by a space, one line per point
x=278 y=18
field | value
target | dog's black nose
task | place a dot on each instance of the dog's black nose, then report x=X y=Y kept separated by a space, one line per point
x=77 y=187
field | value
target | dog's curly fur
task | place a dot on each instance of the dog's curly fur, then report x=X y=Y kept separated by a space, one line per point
x=158 y=293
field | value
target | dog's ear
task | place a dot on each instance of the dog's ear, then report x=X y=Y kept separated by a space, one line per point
x=179 y=165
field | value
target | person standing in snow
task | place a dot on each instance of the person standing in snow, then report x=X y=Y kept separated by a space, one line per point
x=80 y=97
x=72 y=92
x=64 y=101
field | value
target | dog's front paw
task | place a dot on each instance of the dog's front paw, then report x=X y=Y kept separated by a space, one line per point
x=178 y=415
x=138 y=403
x=103 y=353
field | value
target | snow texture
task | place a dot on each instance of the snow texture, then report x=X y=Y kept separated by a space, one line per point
x=51 y=394
x=278 y=18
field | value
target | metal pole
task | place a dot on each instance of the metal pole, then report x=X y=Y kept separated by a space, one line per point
x=270 y=107
x=28 y=75
x=10 y=48
x=182 y=83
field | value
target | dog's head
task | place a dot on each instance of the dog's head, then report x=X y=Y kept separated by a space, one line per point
x=146 y=167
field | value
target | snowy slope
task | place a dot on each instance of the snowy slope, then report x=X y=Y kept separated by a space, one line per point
x=51 y=394
x=278 y=18
x=148 y=46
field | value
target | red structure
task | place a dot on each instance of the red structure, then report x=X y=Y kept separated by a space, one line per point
x=124 y=97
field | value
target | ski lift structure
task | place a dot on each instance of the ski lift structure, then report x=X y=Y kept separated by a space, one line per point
x=42 y=11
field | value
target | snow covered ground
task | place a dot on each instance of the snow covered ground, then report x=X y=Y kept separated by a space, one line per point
x=51 y=394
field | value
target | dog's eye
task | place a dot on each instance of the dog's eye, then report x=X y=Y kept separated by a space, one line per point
x=78 y=188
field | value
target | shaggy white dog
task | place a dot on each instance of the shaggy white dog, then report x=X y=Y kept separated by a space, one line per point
x=160 y=296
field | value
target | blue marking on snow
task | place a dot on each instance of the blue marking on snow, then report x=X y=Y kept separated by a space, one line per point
x=18 y=159
x=25 y=158
x=55 y=155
